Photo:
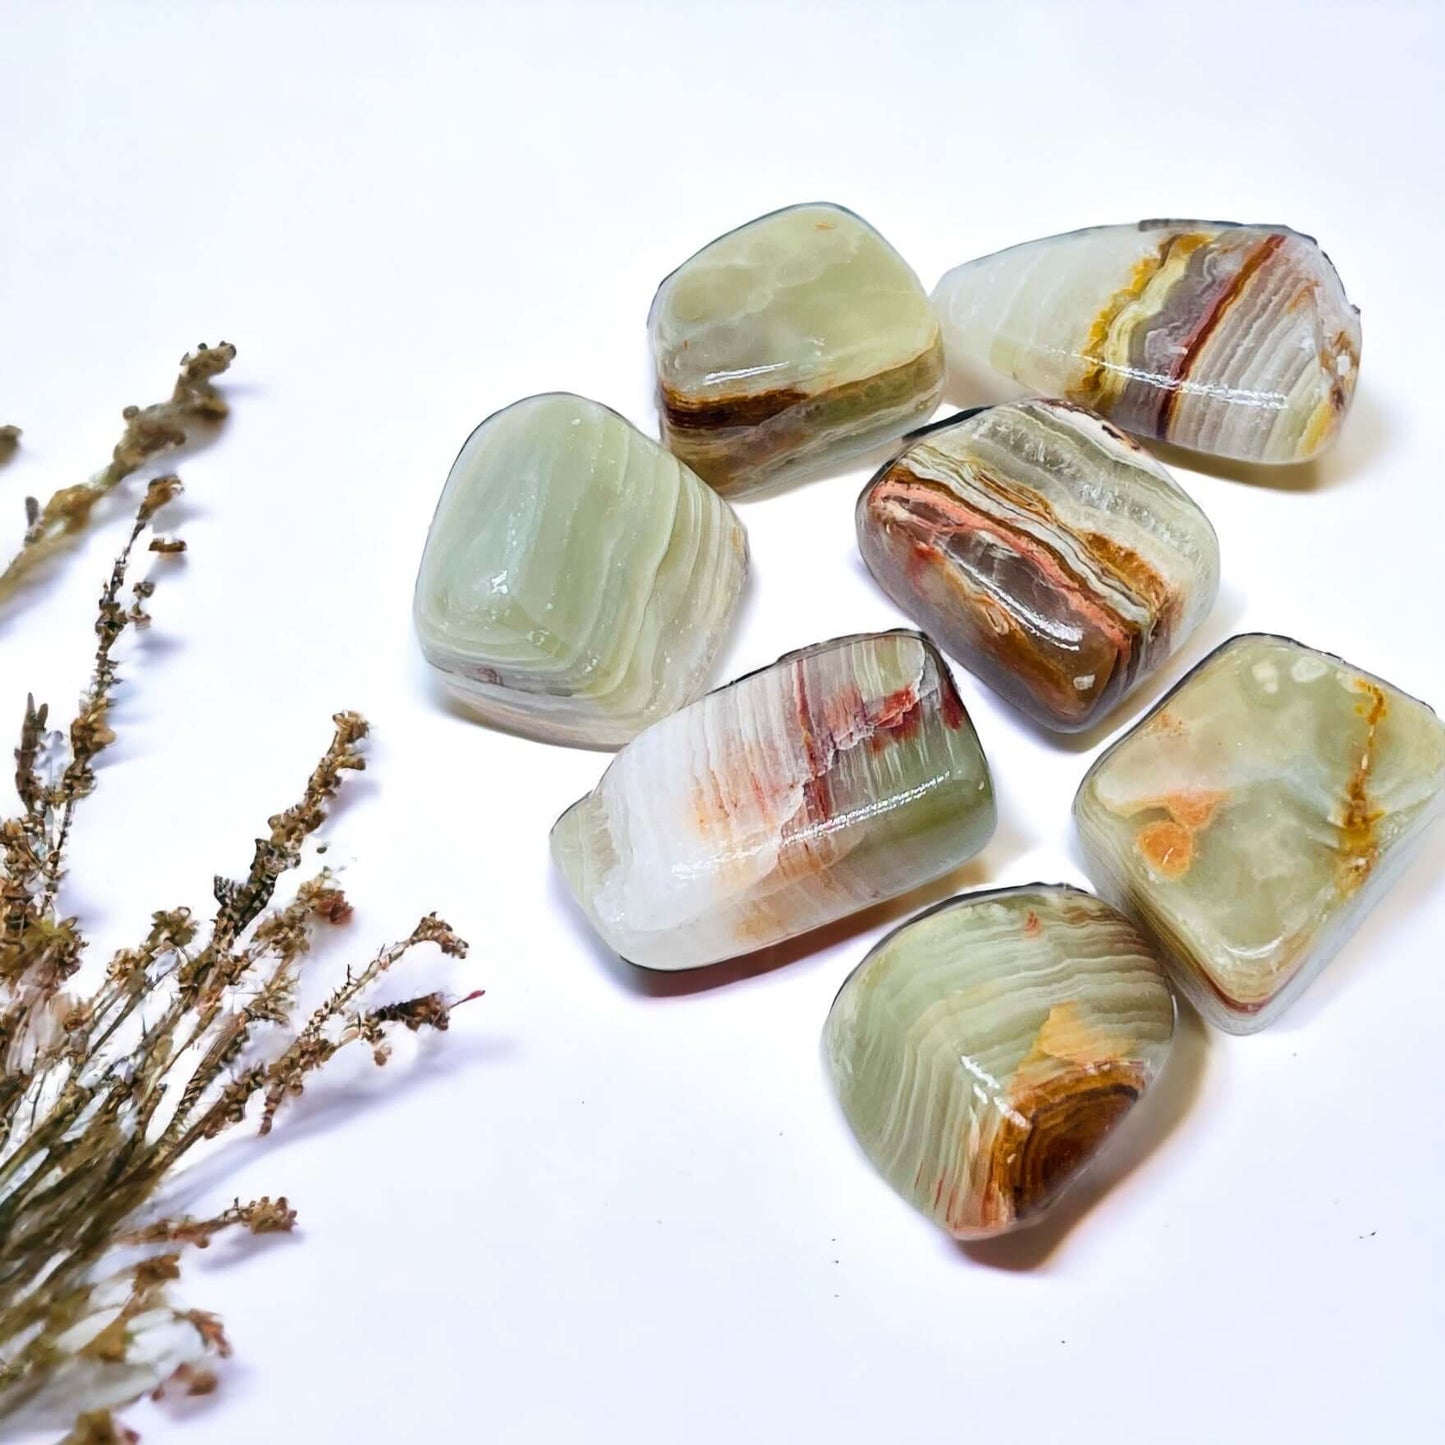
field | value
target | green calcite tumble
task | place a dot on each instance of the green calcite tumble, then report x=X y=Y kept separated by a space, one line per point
x=1237 y=341
x=986 y=1049
x=1252 y=818
x=841 y=775
x=794 y=342
x=577 y=580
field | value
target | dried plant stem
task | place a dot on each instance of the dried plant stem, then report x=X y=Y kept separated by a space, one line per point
x=104 y=1094
x=148 y=430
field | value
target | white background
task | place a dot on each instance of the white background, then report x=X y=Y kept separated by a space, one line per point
x=613 y=1206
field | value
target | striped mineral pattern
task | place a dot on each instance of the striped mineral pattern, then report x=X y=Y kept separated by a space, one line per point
x=577 y=580
x=1232 y=340
x=1045 y=550
x=794 y=342
x=985 y=1050
x=841 y=775
x=1256 y=814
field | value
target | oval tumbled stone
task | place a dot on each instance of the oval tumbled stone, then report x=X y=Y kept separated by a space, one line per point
x=796 y=341
x=986 y=1049
x=577 y=580
x=841 y=775
x=1232 y=340
x=1044 y=549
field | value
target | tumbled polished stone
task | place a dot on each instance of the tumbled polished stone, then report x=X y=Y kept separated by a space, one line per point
x=793 y=342
x=841 y=775
x=577 y=580
x=985 y=1050
x=1045 y=550
x=1232 y=340
x=1253 y=817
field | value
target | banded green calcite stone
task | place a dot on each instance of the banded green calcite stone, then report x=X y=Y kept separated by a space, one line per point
x=841 y=775
x=1045 y=550
x=1232 y=340
x=984 y=1051
x=577 y=580
x=794 y=342
x=1252 y=818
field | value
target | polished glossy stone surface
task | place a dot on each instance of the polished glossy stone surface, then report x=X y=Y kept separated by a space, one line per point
x=1045 y=550
x=984 y=1051
x=794 y=342
x=1253 y=817
x=577 y=580
x=1232 y=340
x=841 y=775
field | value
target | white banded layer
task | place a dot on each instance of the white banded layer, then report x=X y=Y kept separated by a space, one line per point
x=1256 y=814
x=1044 y=549
x=841 y=775
x=985 y=1050
x=1232 y=340
x=577 y=581
x=793 y=342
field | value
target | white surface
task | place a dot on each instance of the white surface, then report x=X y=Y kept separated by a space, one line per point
x=610 y=1207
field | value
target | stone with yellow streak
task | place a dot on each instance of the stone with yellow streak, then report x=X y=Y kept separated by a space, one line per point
x=1256 y=814
x=1237 y=341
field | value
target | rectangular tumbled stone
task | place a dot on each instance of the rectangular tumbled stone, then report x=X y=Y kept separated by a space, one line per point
x=841 y=775
x=577 y=580
x=1253 y=817
x=1044 y=549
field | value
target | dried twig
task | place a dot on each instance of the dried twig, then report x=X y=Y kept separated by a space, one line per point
x=148 y=430
x=9 y=440
x=103 y=1093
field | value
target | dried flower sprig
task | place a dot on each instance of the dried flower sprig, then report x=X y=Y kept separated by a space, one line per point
x=105 y=1092
x=9 y=440
x=148 y=430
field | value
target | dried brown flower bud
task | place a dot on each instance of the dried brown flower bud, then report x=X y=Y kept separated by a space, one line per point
x=331 y=904
x=100 y=1427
